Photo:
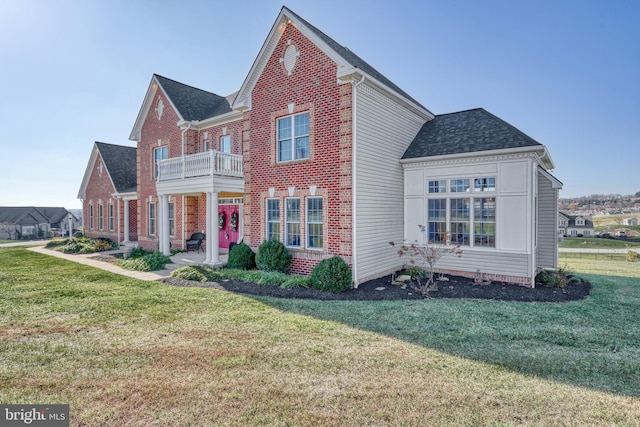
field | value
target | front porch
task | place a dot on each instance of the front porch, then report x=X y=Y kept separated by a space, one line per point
x=204 y=177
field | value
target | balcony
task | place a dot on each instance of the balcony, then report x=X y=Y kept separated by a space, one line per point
x=209 y=163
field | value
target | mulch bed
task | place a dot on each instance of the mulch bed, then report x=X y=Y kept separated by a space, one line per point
x=383 y=289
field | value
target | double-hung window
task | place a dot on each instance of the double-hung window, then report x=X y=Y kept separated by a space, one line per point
x=293 y=137
x=159 y=153
x=152 y=219
x=273 y=219
x=225 y=144
x=172 y=218
x=111 y=225
x=292 y=215
x=314 y=223
x=437 y=220
x=91 y=216
x=100 y=217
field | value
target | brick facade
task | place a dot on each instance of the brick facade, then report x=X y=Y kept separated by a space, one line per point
x=310 y=87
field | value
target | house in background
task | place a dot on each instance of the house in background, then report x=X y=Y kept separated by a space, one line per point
x=30 y=222
x=321 y=151
x=630 y=221
x=109 y=193
x=575 y=225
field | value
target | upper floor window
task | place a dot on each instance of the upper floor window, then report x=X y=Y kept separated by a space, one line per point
x=225 y=144
x=159 y=153
x=439 y=186
x=459 y=185
x=485 y=184
x=293 y=137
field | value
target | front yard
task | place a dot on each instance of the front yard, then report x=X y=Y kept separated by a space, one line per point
x=133 y=353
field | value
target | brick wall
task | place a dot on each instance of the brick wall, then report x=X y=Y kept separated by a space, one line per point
x=311 y=87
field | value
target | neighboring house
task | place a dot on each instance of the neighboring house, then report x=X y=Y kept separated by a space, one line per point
x=30 y=222
x=630 y=221
x=575 y=225
x=109 y=193
x=321 y=151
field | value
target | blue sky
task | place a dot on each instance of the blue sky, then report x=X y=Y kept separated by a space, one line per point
x=567 y=73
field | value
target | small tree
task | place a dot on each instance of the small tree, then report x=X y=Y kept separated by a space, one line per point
x=426 y=255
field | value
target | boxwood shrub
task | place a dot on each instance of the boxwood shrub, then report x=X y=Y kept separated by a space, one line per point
x=331 y=275
x=241 y=257
x=273 y=256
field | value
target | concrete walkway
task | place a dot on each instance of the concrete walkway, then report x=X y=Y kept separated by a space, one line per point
x=179 y=260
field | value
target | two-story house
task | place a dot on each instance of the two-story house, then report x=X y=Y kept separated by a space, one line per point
x=321 y=151
x=575 y=225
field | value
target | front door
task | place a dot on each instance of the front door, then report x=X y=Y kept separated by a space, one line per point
x=228 y=224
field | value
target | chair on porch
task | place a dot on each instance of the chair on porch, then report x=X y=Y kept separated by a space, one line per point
x=195 y=242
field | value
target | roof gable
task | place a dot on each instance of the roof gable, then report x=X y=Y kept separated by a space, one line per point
x=120 y=162
x=348 y=63
x=464 y=132
x=23 y=215
x=188 y=102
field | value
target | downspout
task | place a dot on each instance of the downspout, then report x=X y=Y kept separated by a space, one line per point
x=354 y=263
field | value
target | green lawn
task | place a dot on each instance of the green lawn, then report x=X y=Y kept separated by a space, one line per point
x=596 y=243
x=127 y=352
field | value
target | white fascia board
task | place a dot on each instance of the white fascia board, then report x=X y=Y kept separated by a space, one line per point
x=534 y=149
x=243 y=99
x=126 y=196
x=146 y=106
x=353 y=73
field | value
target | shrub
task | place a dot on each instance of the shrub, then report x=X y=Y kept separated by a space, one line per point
x=331 y=275
x=73 y=248
x=150 y=262
x=632 y=256
x=55 y=243
x=554 y=278
x=189 y=273
x=242 y=257
x=273 y=256
x=296 y=281
x=138 y=252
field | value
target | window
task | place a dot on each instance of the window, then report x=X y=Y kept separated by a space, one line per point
x=485 y=184
x=438 y=186
x=437 y=220
x=159 y=153
x=91 y=216
x=293 y=137
x=152 y=219
x=273 y=219
x=172 y=218
x=292 y=219
x=460 y=225
x=459 y=185
x=484 y=221
x=314 y=223
x=100 y=217
x=111 y=226
x=225 y=144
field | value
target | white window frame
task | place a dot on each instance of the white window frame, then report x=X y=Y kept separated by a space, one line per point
x=164 y=150
x=272 y=221
x=291 y=222
x=294 y=139
x=91 y=213
x=100 y=216
x=310 y=221
x=152 y=218
x=110 y=219
x=225 y=144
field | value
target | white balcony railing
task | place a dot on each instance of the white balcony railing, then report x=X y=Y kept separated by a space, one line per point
x=208 y=163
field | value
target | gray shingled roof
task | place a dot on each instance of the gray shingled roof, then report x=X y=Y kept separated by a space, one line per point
x=193 y=103
x=355 y=60
x=466 y=132
x=22 y=215
x=120 y=161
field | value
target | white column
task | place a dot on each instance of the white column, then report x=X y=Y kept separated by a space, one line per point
x=165 y=247
x=126 y=221
x=213 y=250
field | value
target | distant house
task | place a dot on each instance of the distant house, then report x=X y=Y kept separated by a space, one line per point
x=109 y=193
x=575 y=225
x=30 y=222
x=630 y=221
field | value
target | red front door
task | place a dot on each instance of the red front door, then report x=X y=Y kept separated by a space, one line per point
x=228 y=224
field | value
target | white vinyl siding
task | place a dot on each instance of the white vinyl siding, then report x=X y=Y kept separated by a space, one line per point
x=383 y=132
